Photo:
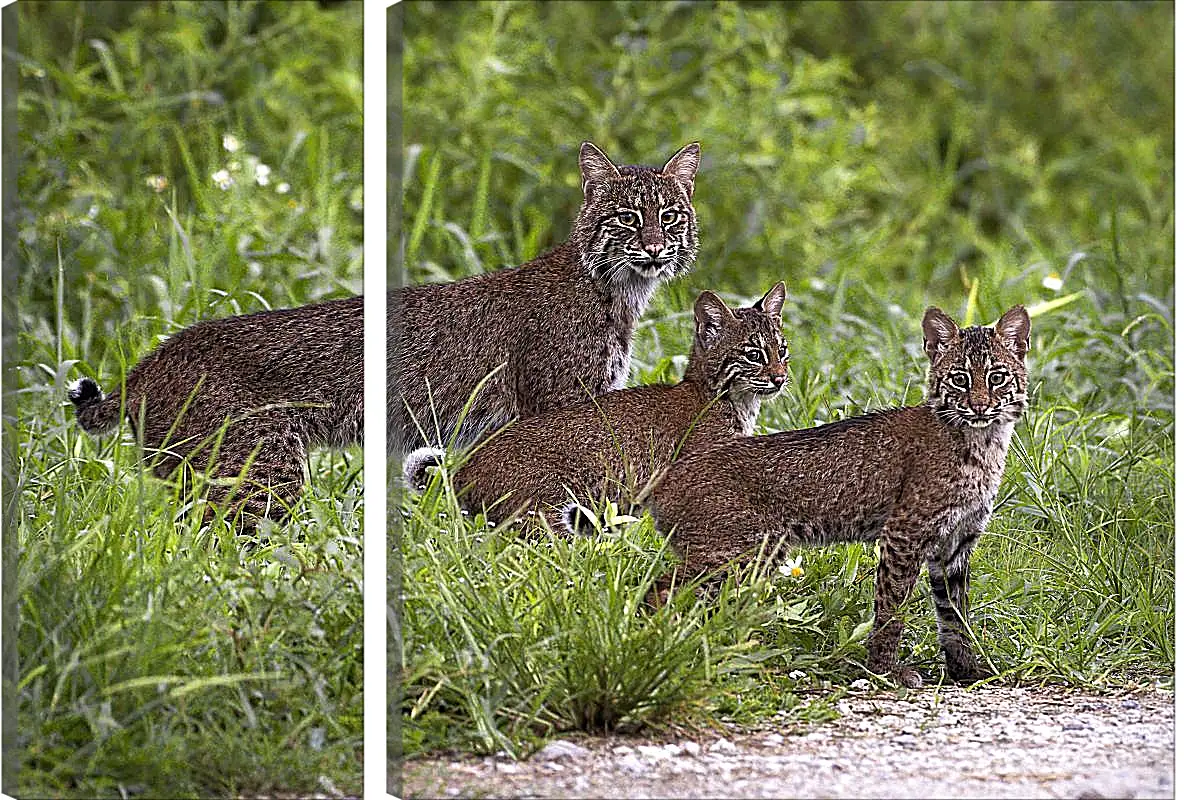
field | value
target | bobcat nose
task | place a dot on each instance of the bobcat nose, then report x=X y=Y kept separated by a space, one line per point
x=777 y=379
x=653 y=249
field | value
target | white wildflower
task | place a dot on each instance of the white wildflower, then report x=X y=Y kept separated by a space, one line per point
x=283 y=188
x=222 y=179
x=230 y=143
x=1053 y=282
x=262 y=174
x=792 y=568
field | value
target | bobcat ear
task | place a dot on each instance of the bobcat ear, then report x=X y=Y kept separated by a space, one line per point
x=595 y=166
x=773 y=300
x=711 y=314
x=940 y=332
x=1013 y=329
x=683 y=165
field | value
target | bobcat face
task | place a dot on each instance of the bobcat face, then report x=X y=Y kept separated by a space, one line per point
x=741 y=351
x=977 y=375
x=637 y=223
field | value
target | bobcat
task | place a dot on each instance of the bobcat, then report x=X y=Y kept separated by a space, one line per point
x=243 y=397
x=921 y=480
x=552 y=332
x=611 y=446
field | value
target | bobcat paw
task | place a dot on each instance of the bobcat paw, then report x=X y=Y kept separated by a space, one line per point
x=907 y=677
x=901 y=675
x=966 y=675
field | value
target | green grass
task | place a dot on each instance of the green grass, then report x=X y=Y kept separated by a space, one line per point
x=160 y=656
x=990 y=151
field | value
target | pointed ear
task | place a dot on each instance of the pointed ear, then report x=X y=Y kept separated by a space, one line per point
x=595 y=166
x=773 y=300
x=683 y=165
x=1013 y=329
x=711 y=314
x=940 y=332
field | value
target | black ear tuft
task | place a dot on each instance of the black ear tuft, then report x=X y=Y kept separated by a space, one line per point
x=711 y=314
x=773 y=300
x=940 y=332
x=683 y=166
x=595 y=166
x=1014 y=328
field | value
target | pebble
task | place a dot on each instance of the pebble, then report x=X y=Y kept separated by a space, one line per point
x=652 y=752
x=722 y=746
x=861 y=685
x=632 y=763
x=560 y=748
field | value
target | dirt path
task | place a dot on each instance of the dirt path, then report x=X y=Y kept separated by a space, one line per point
x=987 y=742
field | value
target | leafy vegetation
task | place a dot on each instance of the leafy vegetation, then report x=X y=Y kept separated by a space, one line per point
x=178 y=161
x=879 y=157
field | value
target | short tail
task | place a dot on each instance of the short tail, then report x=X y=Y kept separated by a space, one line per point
x=417 y=463
x=574 y=520
x=96 y=412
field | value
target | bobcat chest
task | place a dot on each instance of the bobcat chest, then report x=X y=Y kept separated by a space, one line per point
x=616 y=351
x=981 y=470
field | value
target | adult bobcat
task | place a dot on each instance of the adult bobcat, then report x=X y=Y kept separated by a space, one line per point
x=243 y=398
x=609 y=447
x=921 y=480
x=554 y=331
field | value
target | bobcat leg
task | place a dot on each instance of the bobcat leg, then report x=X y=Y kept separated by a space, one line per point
x=896 y=574
x=950 y=579
x=259 y=476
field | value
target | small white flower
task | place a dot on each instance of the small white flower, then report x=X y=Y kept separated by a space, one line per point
x=1053 y=282
x=92 y=212
x=283 y=188
x=222 y=179
x=262 y=174
x=792 y=568
x=157 y=183
x=230 y=143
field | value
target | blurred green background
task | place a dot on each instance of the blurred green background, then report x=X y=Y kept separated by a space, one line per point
x=865 y=152
x=177 y=161
x=123 y=110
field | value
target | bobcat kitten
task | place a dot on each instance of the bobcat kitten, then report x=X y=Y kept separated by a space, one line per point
x=611 y=446
x=921 y=480
x=245 y=395
x=560 y=326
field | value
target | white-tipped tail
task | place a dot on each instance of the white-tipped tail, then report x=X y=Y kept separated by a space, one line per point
x=96 y=412
x=83 y=390
x=575 y=518
x=416 y=466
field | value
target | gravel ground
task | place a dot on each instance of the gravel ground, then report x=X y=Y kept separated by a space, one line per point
x=955 y=743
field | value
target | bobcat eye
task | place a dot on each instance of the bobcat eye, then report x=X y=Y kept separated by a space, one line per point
x=669 y=216
x=996 y=379
x=960 y=380
x=629 y=218
x=755 y=355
